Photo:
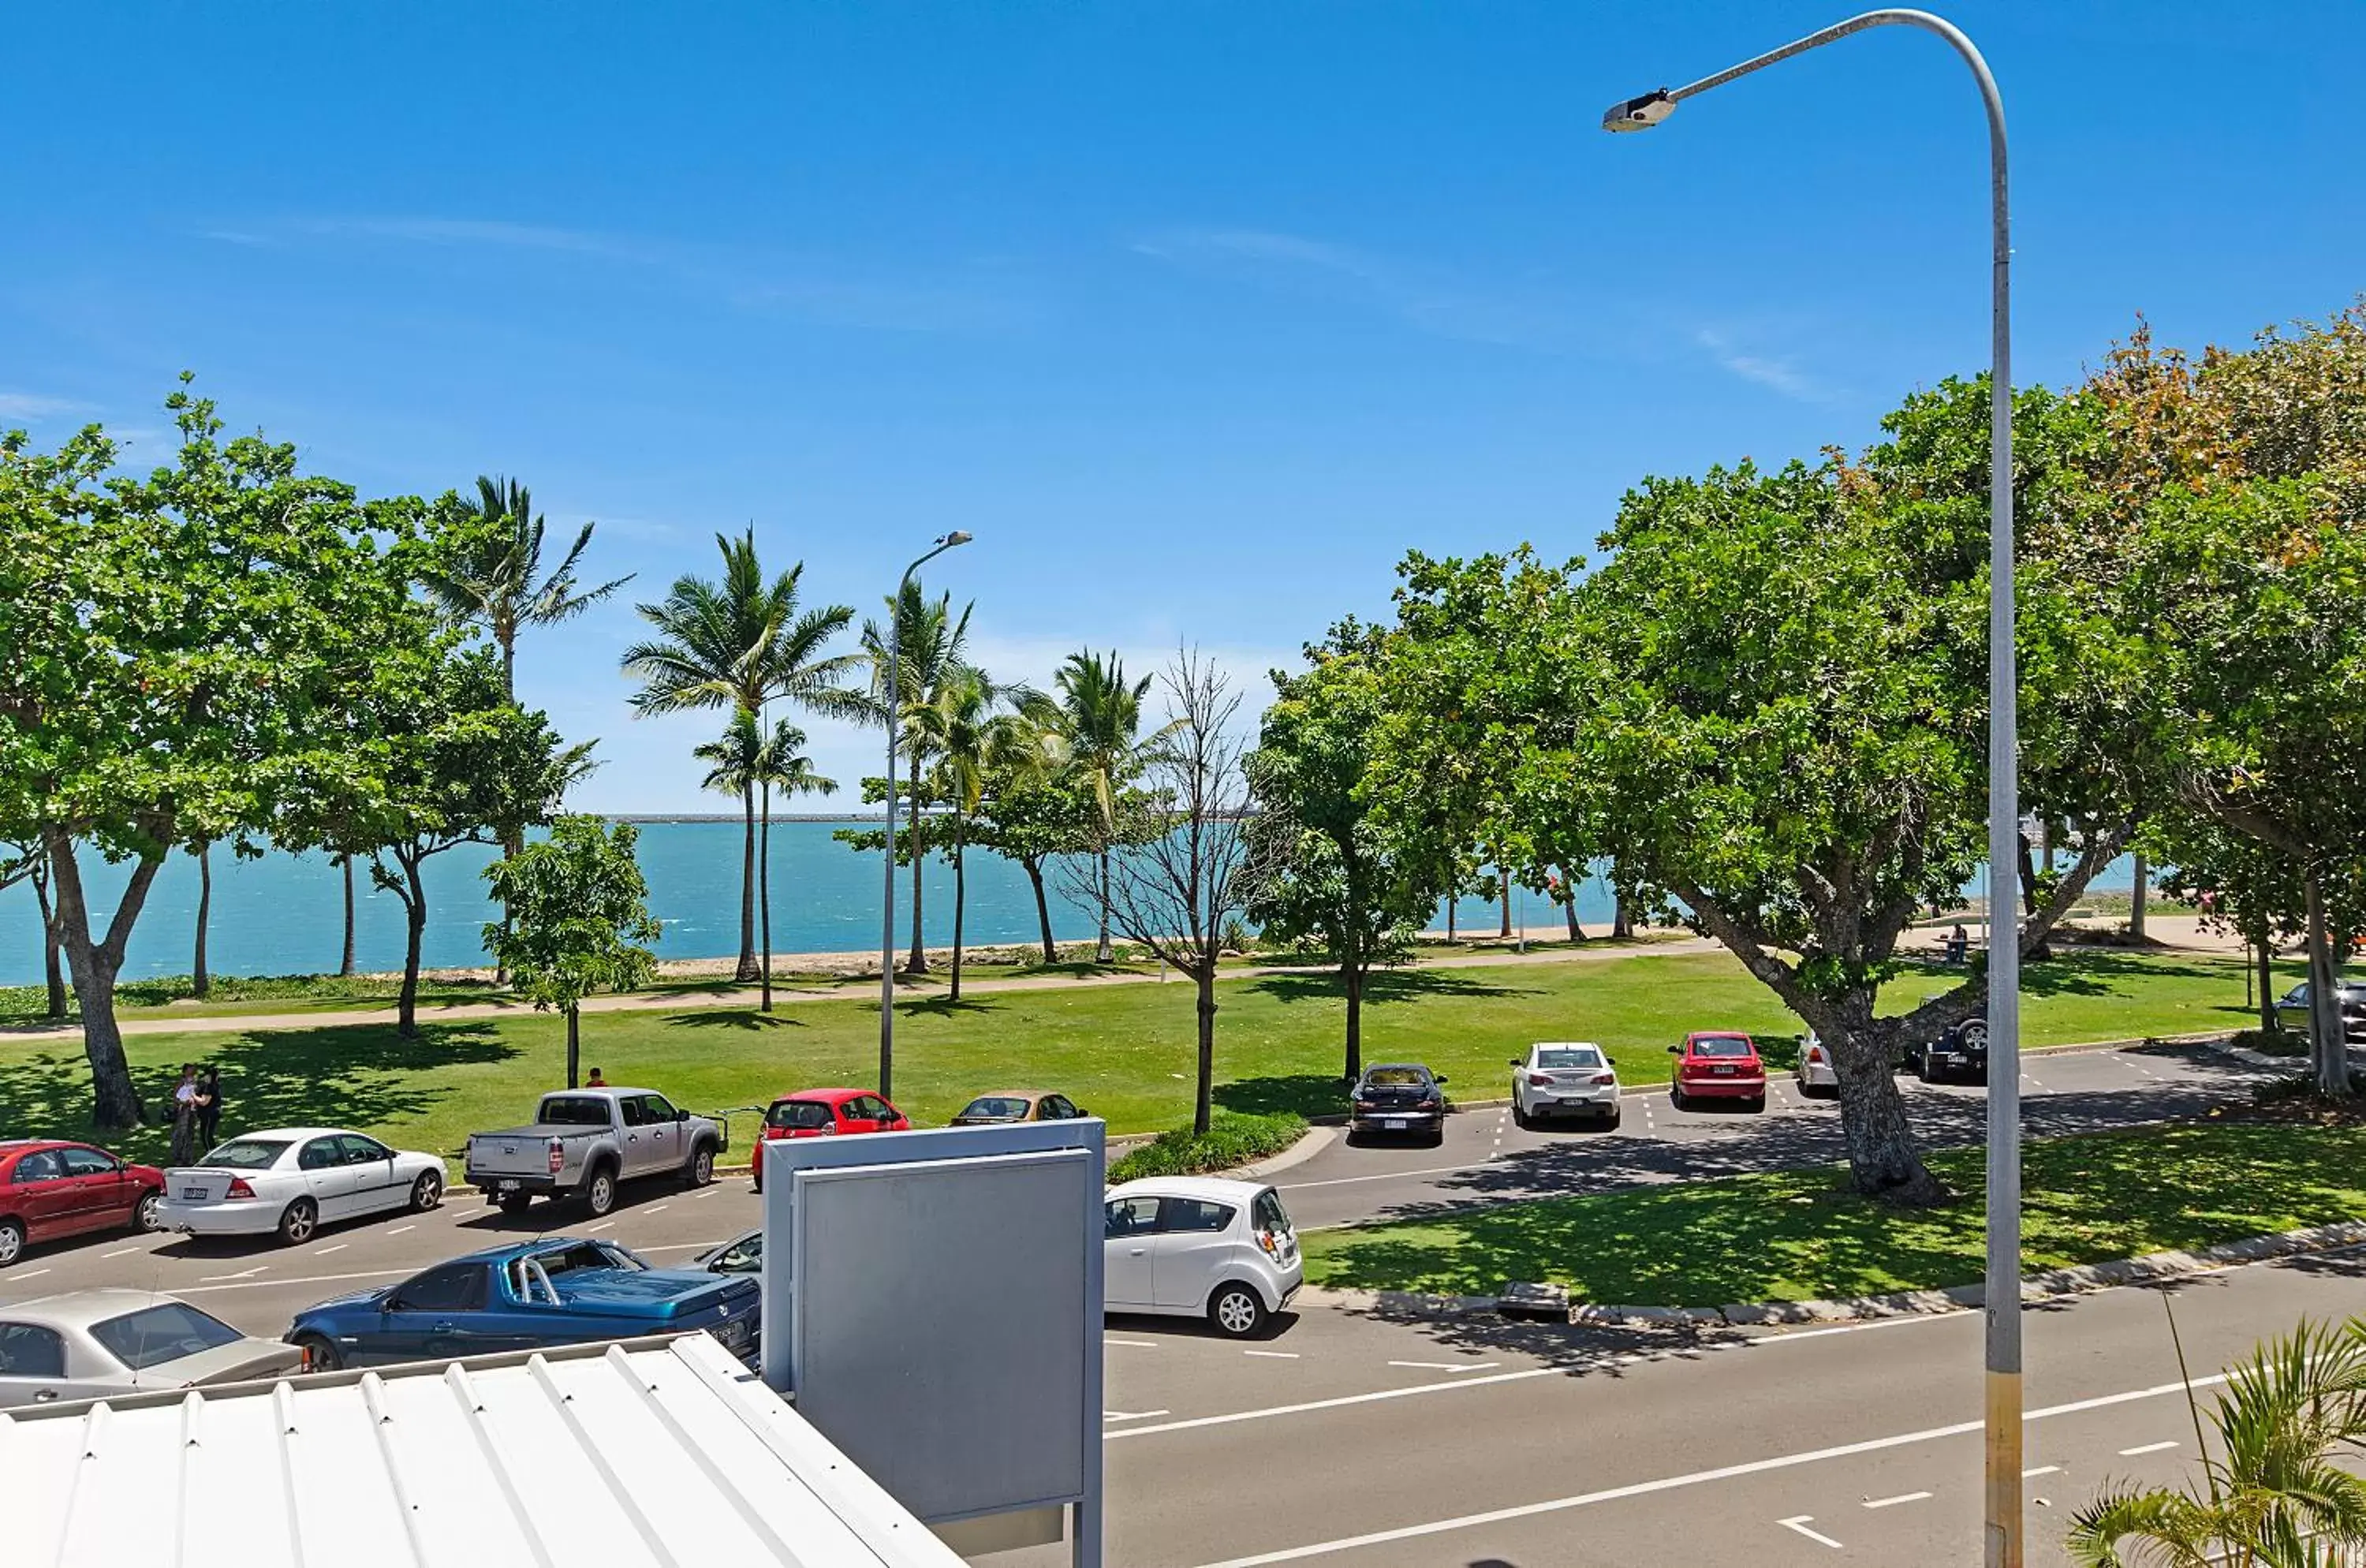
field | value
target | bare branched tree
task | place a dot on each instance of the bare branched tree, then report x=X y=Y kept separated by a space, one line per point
x=1173 y=889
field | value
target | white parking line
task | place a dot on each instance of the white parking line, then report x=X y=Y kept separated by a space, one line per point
x=1132 y=1344
x=1273 y=1354
x=604 y=1225
x=29 y=1274
x=248 y=1274
x=1130 y=1414
x=118 y=1252
x=1380 y=1176
x=399 y=1229
x=2041 y=1469
x=1447 y=1366
x=661 y=1208
x=326 y=1250
x=1893 y=1502
x=1800 y=1523
x=2147 y=1449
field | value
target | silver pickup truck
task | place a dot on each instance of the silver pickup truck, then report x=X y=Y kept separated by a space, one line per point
x=583 y=1142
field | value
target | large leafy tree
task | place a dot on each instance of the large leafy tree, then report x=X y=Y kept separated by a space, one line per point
x=734 y=643
x=1332 y=876
x=579 y=913
x=178 y=656
x=1033 y=809
x=931 y=648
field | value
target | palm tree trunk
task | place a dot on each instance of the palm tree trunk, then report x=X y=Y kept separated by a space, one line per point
x=345 y=963
x=1104 y=953
x=918 y=963
x=1035 y=865
x=201 y=981
x=960 y=895
x=765 y=891
x=745 y=971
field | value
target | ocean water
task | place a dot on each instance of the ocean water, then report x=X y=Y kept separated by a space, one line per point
x=282 y=914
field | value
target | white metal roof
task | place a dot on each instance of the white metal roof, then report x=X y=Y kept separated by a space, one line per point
x=657 y=1452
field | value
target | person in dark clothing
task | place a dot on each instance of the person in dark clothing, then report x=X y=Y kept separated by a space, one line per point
x=185 y=1116
x=209 y=1104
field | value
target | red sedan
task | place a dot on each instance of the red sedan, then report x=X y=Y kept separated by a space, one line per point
x=51 y=1188
x=1719 y=1065
x=825 y=1112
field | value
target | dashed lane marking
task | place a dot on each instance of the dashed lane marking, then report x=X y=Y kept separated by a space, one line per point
x=1447 y=1366
x=1133 y=1344
x=246 y=1274
x=1131 y=1415
x=326 y=1250
x=118 y=1252
x=1273 y=1354
x=2041 y=1469
x=2147 y=1449
x=399 y=1229
x=1893 y=1502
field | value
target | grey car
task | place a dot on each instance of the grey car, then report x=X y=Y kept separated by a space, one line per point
x=108 y=1342
x=2291 y=1010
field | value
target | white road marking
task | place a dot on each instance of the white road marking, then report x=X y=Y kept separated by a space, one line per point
x=1380 y=1176
x=1406 y=1392
x=246 y=1284
x=1800 y=1523
x=399 y=1229
x=247 y=1274
x=1893 y=1502
x=1634 y=1489
x=339 y=1247
x=1447 y=1366
x=1130 y=1414
x=118 y=1252
x=1132 y=1344
x=2041 y=1469
x=1273 y=1354
x=2147 y=1449
x=29 y=1274
x=606 y=1225
x=661 y=1208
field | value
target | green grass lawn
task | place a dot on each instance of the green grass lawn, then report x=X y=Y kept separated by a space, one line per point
x=1124 y=1052
x=1798 y=1235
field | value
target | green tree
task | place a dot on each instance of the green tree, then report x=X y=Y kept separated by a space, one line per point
x=972 y=743
x=579 y=912
x=736 y=643
x=750 y=764
x=180 y=655
x=28 y=863
x=2279 y=1493
x=1096 y=715
x=487 y=570
x=1332 y=877
x=931 y=659
x=1031 y=810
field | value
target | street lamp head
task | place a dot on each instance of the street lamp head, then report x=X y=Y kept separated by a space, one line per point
x=955 y=537
x=1639 y=114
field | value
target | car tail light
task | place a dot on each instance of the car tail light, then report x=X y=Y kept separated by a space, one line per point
x=1606 y=1077
x=306 y=1365
x=558 y=1157
x=1366 y=1105
x=1433 y=1103
x=1272 y=1247
x=1539 y=1080
x=239 y=1187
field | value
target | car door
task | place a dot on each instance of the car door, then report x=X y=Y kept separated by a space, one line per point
x=434 y=1316
x=1194 y=1247
x=1057 y=1108
x=33 y=1365
x=1130 y=1229
x=376 y=1188
x=327 y=1179
x=661 y=1133
x=44 y=1196
x=858 y=1115
x=633 y=1149
x=102 y=1193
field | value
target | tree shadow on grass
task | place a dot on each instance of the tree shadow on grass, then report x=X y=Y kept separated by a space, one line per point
x=1388 y=986
x=944 y=1006
x=1307 y=1094
x=349 y=1077
x=750 y=1019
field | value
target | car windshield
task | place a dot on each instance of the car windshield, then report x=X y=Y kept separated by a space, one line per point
x=1005 y=1106
x=1722 y=1046
x=1569 y=1056
x=573 y=1111
x=1396 y=1078
x=247 y=1154
x=797 y=1113
x=165 y=1332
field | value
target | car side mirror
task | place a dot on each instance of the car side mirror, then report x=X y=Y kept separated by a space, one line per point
x=1675 y=1050
x=1439 y=1079
x=680 y=1115
x=1516 y=1062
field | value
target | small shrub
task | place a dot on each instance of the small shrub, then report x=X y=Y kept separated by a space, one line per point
x=2271 y=1041
x=1232 y=1139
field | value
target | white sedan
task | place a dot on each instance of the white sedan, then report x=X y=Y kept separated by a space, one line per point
x=98 y=1344
x=293 y=1180
x=1817 y=1073
x=1564 y=1078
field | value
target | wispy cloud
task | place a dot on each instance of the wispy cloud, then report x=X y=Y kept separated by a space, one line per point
x=33 y=406
x=1778 y=373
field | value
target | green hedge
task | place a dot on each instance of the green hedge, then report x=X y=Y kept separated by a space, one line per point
x=1232 y=1139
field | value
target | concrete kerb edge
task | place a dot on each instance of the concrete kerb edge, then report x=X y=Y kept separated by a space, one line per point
x=2047 y=1286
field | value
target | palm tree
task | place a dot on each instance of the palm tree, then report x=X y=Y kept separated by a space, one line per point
x=2276 y=1495
x=969 y=740
x=781 y=764
x=736 y=644
x=1097 y=715
x=931 y=659
x=493 y=576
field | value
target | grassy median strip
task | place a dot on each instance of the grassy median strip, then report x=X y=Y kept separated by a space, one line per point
x=1801 y=1235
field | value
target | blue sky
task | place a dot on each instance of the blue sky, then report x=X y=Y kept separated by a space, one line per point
x=1197 y=315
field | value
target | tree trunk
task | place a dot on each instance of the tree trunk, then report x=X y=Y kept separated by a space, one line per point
x=574 y=1043
x=2136 y=897
x=765 y=891
x=2028 y=879
x=745 y=972
x=1351 y=976
x=2328 y=1051
x=53 y=969
x=1569 y=907
x=917 y=964
x=202 y=983
x=1202 y=1104
x=345 y=962
x=960 y=897
x=114 y=1100
x=1622 y=923
x=512 y=843
x=414 y=924
x=2265 y=957
x=1503 y=882
x=1035 y=865
x=1884 y=1161
x=1451 y=900
x=1104 y=953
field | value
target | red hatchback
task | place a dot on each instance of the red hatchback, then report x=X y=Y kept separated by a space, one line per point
x=822 y=1113
x=51 y=1188
x=1718 y=1065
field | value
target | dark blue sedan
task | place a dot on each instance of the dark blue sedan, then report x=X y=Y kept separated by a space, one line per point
x=524 y=1296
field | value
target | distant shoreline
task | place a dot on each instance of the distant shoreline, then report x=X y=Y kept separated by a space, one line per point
x=734 y=817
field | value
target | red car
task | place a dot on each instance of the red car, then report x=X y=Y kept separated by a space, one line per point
x=820 y=1112
x=51 y=1188
x=1715 y=1065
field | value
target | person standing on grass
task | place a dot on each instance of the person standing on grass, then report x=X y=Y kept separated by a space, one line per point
x=210 y=1105
x=185 y=1116
x=595 y=1080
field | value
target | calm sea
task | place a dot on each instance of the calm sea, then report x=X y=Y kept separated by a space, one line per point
x=282 y=914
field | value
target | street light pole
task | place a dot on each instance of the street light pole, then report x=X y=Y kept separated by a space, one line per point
x=893 y=695
x=2002 y=1296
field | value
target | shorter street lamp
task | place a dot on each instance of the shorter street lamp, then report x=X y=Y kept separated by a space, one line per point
x=887 y=903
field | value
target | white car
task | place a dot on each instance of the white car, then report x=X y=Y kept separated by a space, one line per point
x=1200 y=1247
x=293 y=1180
x=1564 y=1078
x=1817 y=1073
x=105 y=1343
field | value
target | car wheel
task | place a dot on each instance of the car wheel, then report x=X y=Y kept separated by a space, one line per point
x=12 y=1241
x=426 y=1193
x=299 y=1222
x=1611 y=1120
x=1236 y=1311
x=512 y=1202
x=320 y=1353
x=600 y=1193
x=143 y=1213
x=1758 y=1103
x=1923 y=1068
x=1676 y=1095
x=1520 y=1117
x=701 y=1170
